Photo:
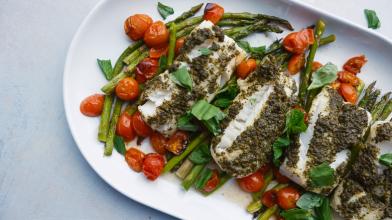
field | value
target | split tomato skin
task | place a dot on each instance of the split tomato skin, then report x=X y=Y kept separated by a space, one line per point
x=296 y=63
x=153 y=164
x=298 y=42
x=146 y=69
x=127 y=89
x=92 y=106
x=179 y=43
x=355 y=64
x=141 y=128
x=348 y=92
x=124 y=127
x=269 y=198
x=157 y=35
x=245 y=68
x=177 y=142
x=348 y=77
x=287 y=197
x=134 y=158
x=213 y=12
x=136 y=25
x=159 y=142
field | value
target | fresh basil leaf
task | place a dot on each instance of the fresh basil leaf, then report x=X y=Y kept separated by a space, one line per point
x=222 y=102
x=386 y=159
x=204 y=176
x=309 y=200
x=297 y=214
x=201 y=155
x=230 y=91
x=295 y=122
x=182 y=78
x=277 y=147
x=119 y=145
x=205 y=51
x=244 y=45
x=185 y=123
x=213 y=126
x=322 y=175
x=324 y=76
x=203 y=110
x=106 y=67
x=162 y=63
x=324 y=212
x=165 y=10
x=372 y=19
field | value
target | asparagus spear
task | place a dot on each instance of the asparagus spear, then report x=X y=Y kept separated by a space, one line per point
x=105 y=117
x=192 y=145
x=185 y=31
x=232 y=22
x=112 y=129
x=386 y=111
x=135 y=54
x=192 y=176
x=379 y=106
x=189 y=22
x=247 y=30
x=224 y=178
x=268 y=213
x=109 y=87
x=362 y=103
x=250 y=16
x=305 y=75
x=172 y=44
x=186 y=14
x=372 y=100
x=328 y=39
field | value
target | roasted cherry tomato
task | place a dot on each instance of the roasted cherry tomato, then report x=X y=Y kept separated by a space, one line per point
x=92 y=106
x=157 y=35
x=141 y=128
x=287 y=197
x=153 y=165
x=316 y=65
x=136 y=25
x=348 y=92
x=158 y=52
x=212 y=183
x=355 y=64
x=335 y=85
x=179 y=43
x=158 y=142
x=296 y=63
x=348 y=77
x=124 y=127
x=264 y=169
x=146 y=69
x=213 y=12
x=269 y=198
x=245 y=68
x=127 y=89
x=251 y=183
x=279 y=177
x=134 y=158
x=298 y=42
x=177 y=142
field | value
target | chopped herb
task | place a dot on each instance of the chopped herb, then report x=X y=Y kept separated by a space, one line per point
x=295 y=122
x=309 y=200
x=222 y=102
x=201 y=155
x=203 y=110
x=278 y=146
x=372 y=19
x=162 y=63
x=254 y=51
x=165 y=10
x=205 y=51
x=182 y=78
x=297 y=214
x=324 y=76
x=213 y=126
x=106 y=67
x=185 y=123
x=204 y=176
x=324 y=212
x=322 y=175
x=119 y=145
x=386 y=159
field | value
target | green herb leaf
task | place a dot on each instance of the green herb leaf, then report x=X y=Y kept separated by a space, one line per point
x=204 y=176
x=324 y=76
x=322 y=175
x=205 y=51
x=182 y=78
x=324 y=212
x=223 y=102
x=309 y=201
x=201 y=155
x=165 y=10
x=244 y=45
x=295 y=122
x=162 y=63
x=386 y=159
x=254 y=51
x=297 y=214
x=106 y=67
x=372 y=19
x=213 y=126
x=119 y=145
x=278 y=146
x=230 y=91
x=203 y=110
x=185 y=123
